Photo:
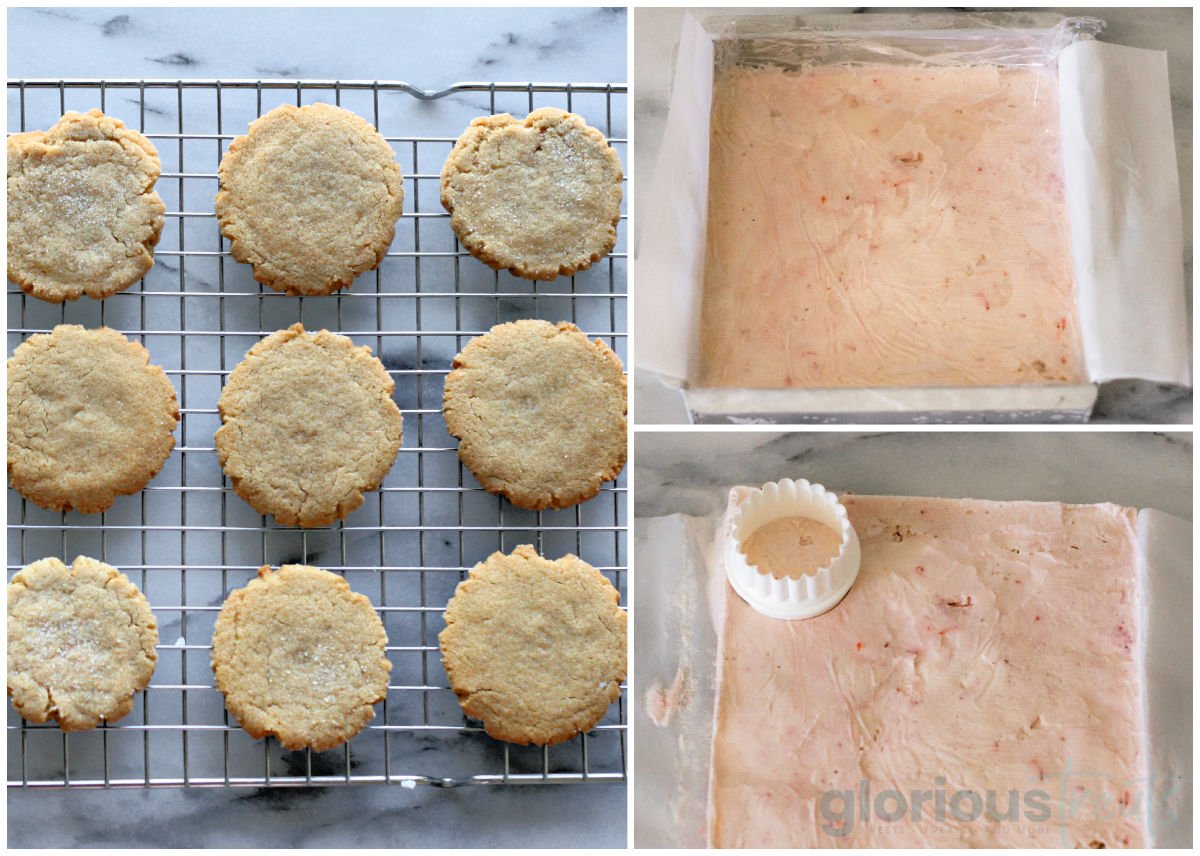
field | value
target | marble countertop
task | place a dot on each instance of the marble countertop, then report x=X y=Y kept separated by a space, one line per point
x=429 y=48
x=656 y=37
x=691 y=473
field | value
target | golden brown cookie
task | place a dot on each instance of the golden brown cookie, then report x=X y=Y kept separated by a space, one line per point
x=299 y=655
x=83 y=217
x=80 y=643
x=540 y=413
x=535 y=649
x=90 y=418
x=540 y=197
x=308 y=425
x=310 y=197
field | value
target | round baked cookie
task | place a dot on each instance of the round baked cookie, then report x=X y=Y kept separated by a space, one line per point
x=310 y=197
x=540 y=413
x=534 y=648
x=80 y=643
x=539 y=197
x=83 y=217
x=299 y=655
x=308 y=425
x=90 y=418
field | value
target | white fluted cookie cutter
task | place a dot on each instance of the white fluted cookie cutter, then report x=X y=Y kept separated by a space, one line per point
x=787 y=598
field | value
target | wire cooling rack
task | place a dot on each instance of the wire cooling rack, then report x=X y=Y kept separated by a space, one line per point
x=188 y=540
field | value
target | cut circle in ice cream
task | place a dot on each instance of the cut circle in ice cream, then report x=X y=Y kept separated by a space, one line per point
x=792 y=547
x=792 y=552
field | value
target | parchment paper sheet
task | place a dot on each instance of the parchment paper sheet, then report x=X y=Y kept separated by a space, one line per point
x=677 y=597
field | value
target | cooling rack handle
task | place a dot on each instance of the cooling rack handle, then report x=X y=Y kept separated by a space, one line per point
x=384 y=85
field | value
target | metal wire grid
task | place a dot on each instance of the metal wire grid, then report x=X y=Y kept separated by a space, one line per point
x=188 y=540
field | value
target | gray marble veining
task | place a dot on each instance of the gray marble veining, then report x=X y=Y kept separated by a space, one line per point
x=690 y=473
x=429 y=48
x=656 y=38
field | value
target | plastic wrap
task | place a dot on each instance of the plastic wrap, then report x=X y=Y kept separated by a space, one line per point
x=887 y=208
x=942 y=40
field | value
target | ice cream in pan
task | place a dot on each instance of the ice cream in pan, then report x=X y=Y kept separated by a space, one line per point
x=880 y=226
x=978 y=685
